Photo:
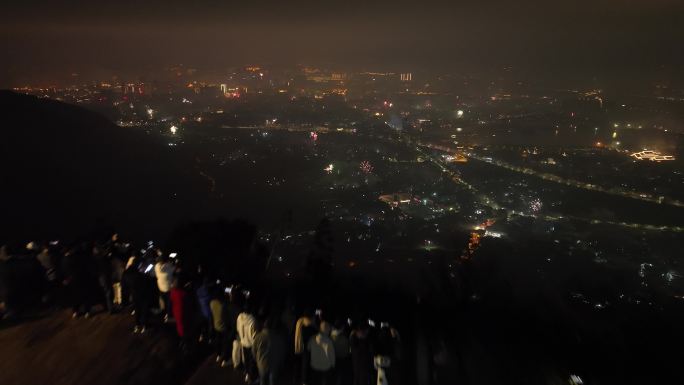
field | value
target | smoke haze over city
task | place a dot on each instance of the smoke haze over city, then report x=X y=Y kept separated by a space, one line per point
x=553 y=40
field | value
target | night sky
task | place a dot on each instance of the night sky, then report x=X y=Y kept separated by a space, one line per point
x=45 y=41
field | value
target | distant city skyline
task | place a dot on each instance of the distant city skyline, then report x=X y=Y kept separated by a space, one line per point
x=640 y=40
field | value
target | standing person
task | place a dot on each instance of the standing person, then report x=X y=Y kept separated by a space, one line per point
x=116 y=251
x=204 y=297
x=383 y=359
x=246 y=333
x=47 y=262
x=261 y=350
x=322 y=352
x=179 y=298
x=127 y=288
x=77 y=280
x=269 y=351
x=141 y=288
x=118 y=268
x=232 y=314
x=339 y=336
x=305 y=328
x=222 y=340
x=103 y=269
x=361 y=353
x=5 y=284
x=164 y=270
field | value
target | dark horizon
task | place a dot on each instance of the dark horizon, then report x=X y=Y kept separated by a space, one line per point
x=605 y=40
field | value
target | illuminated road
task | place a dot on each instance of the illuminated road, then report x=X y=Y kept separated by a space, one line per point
x=492 y=204
x=571 y=182
x=576 y=183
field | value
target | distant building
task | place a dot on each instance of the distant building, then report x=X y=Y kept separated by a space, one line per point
x=653 y=156
x=396 y=199
x=132 y=88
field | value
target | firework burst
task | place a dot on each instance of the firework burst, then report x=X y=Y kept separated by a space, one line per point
x=366 y=167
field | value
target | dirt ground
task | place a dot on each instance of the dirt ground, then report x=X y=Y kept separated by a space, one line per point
x=56 y=349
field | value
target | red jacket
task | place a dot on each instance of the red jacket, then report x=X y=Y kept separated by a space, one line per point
x=178 y=301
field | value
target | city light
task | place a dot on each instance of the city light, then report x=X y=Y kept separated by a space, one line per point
x=520 y=209
x=651 y=155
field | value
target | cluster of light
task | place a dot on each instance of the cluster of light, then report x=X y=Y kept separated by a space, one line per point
x=313 y=135
x=366 y=167
x=173 y=129
x=231 y=93
x=651 y=155
x=459 y=114
x=329 y=169
x=536 y=205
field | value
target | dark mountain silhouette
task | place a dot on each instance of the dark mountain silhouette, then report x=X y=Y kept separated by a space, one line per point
x=66 y=170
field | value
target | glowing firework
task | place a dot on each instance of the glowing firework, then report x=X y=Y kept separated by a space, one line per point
x=536 y=206
x=366 y=167
x=329 y=169
x=313 y=135
x=173 y=129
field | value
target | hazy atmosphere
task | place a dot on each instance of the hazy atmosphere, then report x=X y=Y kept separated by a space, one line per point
x=342 y=192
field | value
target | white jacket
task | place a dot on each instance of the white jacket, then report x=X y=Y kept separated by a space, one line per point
x=164 y=274
x=245 y=329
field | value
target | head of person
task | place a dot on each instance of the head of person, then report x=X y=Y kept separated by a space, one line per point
x=340 y=324
x=247 y=306
x=271 y=323
x=161 y=258
x=259 y=324
x=361 y=329
x=133 y=262
x=325 y=328
x=235 y=297
x=4 y=254
x=178 y=282
x=308 y=313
